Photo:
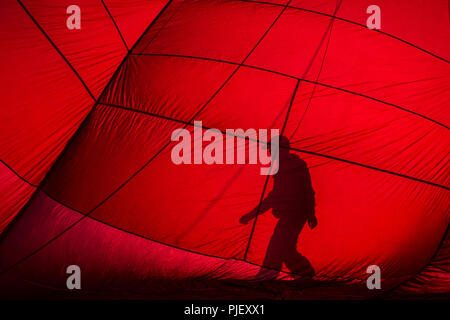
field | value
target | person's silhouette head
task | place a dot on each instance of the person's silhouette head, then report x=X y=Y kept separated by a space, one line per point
x=284 y=145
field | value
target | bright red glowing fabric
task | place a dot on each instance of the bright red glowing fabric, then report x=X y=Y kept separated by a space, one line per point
x=366 y=110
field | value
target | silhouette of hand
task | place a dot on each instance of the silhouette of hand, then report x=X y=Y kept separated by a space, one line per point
x=246 y=218
x=312 y=222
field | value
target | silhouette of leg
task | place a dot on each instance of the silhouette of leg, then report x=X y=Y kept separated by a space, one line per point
x=299 y=265
x=294 y=260
x=273 y=259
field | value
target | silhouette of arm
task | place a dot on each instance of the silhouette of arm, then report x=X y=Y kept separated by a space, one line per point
x=246 y=218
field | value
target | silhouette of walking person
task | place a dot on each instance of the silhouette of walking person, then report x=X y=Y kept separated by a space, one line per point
x=293 y=203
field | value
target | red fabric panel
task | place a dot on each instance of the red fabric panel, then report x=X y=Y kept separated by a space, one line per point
x=264 y=96
x=421 y=23
x=185 y=84
x=36 y=125
x=295 y=46
x=14 y=193
x=368 y=132
x=386 y=69
x=321 y=6
x=434 y=279
x=108 y=150
x=213 y=197
x=134 y=16
x=168 y=199
x=95 y=50
x=225 y=30
x=43 y=100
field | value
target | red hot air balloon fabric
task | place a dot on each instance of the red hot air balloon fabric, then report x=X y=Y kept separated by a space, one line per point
x=88 y=177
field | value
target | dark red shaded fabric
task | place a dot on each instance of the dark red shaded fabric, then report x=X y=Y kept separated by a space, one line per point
x=14 y=193
x=434 y=279
x=365 y=125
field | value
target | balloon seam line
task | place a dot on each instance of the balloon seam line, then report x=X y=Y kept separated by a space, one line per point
x=298 y=78
x=281 y=146
x=115 y=25
x=57 y=49
x=352 y=22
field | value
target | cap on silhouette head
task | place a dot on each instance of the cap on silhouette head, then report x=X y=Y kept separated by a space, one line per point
x=283 y=143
